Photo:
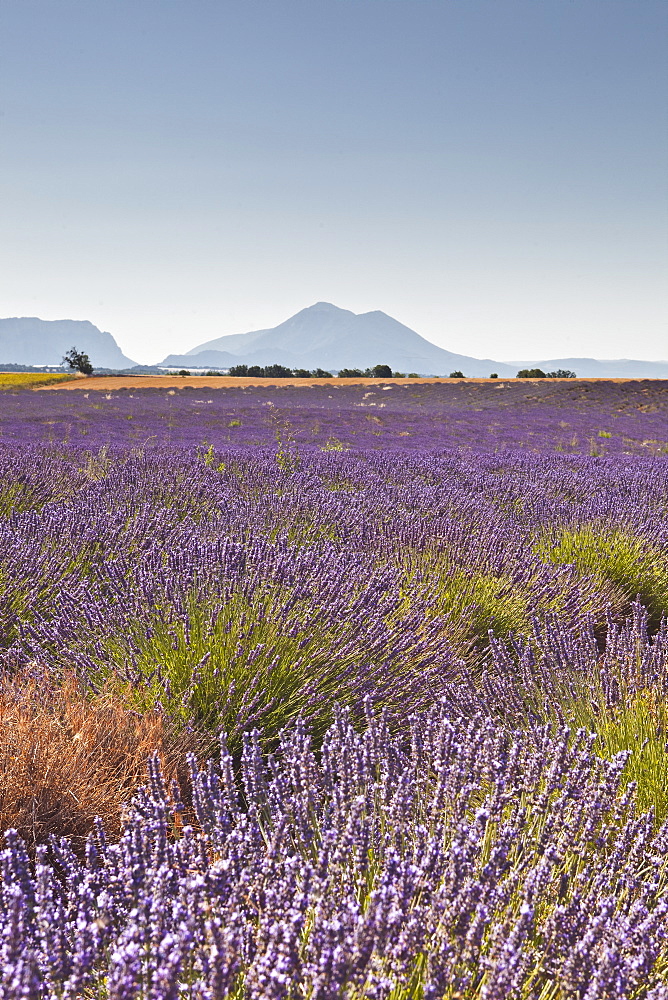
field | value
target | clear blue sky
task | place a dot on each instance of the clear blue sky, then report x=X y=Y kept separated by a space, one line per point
x=493 y=173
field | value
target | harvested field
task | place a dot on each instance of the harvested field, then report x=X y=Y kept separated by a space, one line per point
x=110 y=382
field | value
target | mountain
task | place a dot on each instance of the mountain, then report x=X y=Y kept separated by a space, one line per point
x=591 y=368
x=32 y=341
x=324 y=336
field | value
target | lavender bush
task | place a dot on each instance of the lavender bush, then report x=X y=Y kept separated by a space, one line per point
x=456 y=861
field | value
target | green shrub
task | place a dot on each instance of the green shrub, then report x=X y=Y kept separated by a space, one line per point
x=639 y=725
x=636 y=724
x=263 y=655
x=472 y=600
x=626 y=567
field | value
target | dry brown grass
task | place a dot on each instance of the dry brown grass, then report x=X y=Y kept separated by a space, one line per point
x=67 y=757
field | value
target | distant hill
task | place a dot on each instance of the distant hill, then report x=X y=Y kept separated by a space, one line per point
x=324 y=336
x=591 y=368
x=32 y=341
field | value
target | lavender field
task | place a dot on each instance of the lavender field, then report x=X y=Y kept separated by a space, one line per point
x=335 y=692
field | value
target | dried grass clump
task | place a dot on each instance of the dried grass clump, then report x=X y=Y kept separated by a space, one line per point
x=67 y=757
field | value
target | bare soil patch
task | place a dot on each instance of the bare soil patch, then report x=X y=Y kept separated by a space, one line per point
x=108 y=382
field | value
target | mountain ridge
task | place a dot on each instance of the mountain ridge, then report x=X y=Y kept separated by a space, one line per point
x=28 y=340
x=320 y=336
x=604 y=368
x=339 y=338
x=325 y=336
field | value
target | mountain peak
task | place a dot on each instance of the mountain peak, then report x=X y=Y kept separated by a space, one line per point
x=326 y=307
x=325 y=336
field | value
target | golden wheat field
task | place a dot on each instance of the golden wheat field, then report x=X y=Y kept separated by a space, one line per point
x=28 y=380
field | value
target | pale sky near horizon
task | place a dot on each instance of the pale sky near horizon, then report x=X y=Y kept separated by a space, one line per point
x=492 y=173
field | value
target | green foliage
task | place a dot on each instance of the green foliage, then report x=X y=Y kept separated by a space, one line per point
x=210 y=459
x=472 y=600
x=287 y=457
x=276 y=371
x=333 y=444
x=456 y=374
x=484 y=601
x=255 y=655
x=97 y=466
x=287 y=452
x=637 y=724
x=625 y=567
x=531 y=373
x=78 y=361
x=222 y=661
x=16 y=497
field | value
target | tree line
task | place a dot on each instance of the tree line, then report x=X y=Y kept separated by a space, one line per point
x=280 y=371
x=78 y=361
x=378 y=371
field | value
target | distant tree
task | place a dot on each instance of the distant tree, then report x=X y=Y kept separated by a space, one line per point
x=239 y=371
x=277 y=371
x=494 y=375
x=255 y=371
x=320 y=373
x=350 y=373
x=561 y=373
x=301 y=373
x=457 y=374
x=78 y=361
x=531 y=373
x=184 y=372
x=398 y=374
x=412 y=375
x=381 y=371
x=213 y=373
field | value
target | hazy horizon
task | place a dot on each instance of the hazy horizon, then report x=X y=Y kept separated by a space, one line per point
x=494 y=176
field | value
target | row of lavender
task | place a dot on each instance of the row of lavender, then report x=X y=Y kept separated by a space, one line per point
x=592 y=418
x=229 y=588
x=456 y=861
x=446 y=831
